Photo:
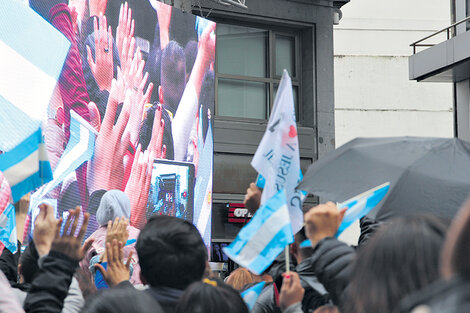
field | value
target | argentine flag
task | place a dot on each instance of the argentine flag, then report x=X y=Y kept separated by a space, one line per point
x=264 y=237
x=358 y=207
x=252 y=294
x=8 y=234
x=80 y=148
x=32 y=55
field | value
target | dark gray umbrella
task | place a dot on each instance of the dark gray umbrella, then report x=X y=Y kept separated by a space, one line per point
x=426 y=174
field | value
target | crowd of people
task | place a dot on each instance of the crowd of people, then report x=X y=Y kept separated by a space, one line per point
x=412 y=264
x=141 y=74
x=141 y=85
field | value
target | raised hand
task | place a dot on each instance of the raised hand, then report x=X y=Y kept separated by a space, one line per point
x=117 y=271
x=45 y=229
x=97 y=7
x=106 y=169
x=291 y=290
x=117 y=230
x=156 y=142
x=125 y=31
x=68 y=243
x=102 y=66
x=137 y=188
x=323 y=221
x=252 y=198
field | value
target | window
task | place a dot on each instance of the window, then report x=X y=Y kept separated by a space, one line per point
x=250 y=62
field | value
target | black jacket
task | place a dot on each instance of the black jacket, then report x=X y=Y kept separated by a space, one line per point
x=167 y=297
x=49 y=289
x=452 y=296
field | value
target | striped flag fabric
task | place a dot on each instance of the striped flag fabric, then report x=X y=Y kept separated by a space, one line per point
x=8 y=235
x=32 y=55
x=80 y=148
x=26 y=166
x=267 y=234
x=358 y=207
x=252 y=294
x=277 y=157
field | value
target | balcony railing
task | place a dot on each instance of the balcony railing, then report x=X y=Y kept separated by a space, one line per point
x=450 y=31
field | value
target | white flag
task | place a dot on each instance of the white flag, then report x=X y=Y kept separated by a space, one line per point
x=277 y=158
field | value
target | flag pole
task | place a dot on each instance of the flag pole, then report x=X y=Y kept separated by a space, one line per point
x=287 y=260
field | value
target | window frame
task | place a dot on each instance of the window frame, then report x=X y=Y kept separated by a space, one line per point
x=272 y=80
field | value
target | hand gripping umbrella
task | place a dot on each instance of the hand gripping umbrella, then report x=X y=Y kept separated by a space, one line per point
x=426 y=175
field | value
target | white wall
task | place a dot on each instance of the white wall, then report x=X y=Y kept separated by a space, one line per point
x=373 y=95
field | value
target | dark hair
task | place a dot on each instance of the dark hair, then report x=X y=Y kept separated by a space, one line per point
x=173 y=75
x=211 y=297
x=328 y=308
x=402 y=257
x=171 y=252
x=455 y=260
x=117 y=300
x=145 y=134
x=300 y=237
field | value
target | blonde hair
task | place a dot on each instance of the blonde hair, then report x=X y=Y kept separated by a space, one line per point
x=239 y=278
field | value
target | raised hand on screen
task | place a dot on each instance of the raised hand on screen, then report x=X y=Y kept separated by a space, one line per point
x=102 y=65
x=135 y=82
x=106 y=168
x=97 y=7
x=125 y=32
x=138 y=185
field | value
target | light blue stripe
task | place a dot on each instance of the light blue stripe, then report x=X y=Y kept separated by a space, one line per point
x=283 y=238
x=5 y=233
x=32 y=182
x=20 y=152
x=73 y=141
x=370 y=204
x=251 y=294
x=260 y=217
x=32 y=37
x=15 y=125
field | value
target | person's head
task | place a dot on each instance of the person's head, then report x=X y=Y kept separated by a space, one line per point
x=455 y=260
x=118 y=300
x=173 y=76
x=114 y=203
x=171 y=252
x=239 y=278
x=295 y=249
x=211 y=296
x=401 y=258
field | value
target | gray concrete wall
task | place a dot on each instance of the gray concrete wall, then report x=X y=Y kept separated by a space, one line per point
x=235 y=140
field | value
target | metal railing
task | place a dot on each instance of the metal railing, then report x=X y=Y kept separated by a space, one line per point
x=447 y=29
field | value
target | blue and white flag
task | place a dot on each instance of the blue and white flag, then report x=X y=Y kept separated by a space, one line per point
x=361 y=205
x=203 y=188
x=252 y=294
x=80 y=148
x=32 y=55
x=264 y=237
x=26 y=166
x=8 y=235
x=277 y=158
x=358 y=207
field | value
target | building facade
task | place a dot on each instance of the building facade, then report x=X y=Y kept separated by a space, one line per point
x=253 y=46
